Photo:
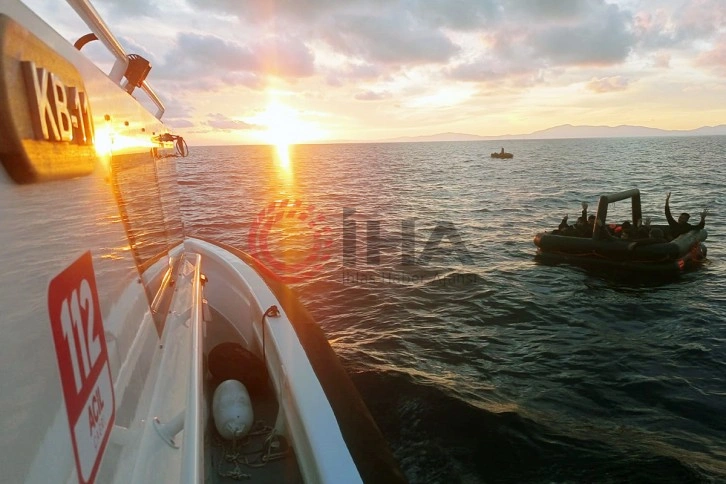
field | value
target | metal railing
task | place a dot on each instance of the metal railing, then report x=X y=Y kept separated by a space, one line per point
x=93 y=20
x=193 y=447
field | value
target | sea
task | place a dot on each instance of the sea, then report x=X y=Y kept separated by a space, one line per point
x=479 y=362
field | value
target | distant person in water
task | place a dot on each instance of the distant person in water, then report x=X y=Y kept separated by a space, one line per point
x=681 y=226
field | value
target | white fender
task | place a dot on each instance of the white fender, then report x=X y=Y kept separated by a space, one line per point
x=232 y=410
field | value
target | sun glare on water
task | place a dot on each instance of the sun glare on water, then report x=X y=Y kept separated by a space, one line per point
x=282 y=150
x=284 y=127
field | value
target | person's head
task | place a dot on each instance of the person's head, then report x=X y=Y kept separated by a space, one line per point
x=683 y=218
x=580 y=222
x=591 y=220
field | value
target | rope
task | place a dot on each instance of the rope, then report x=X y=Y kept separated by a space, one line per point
x=273 y=448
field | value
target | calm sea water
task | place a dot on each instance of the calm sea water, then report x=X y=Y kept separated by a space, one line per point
x=495 y=368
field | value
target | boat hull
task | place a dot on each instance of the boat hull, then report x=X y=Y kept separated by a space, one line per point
x=666 y=258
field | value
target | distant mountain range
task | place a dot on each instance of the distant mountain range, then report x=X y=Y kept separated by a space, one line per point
x=570 y=131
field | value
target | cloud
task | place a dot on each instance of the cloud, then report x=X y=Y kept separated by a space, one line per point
x=287 y=11
x=517 y=42
x=532 y=38
x=199 y=56
x=336 y=76
x=699 y=19
x=372 y=96
x=601 y=36
x=133 y=8
x=284 y=56
x=179 y=123
x=220 y=121
x=460 y=15
x=389 y=40
x=654 y=29
x=662 y=60
x=607 y=84
x=714 y=59
x=679 y=26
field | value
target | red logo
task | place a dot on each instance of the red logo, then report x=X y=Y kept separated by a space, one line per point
x=80 y=348
x=291 y=239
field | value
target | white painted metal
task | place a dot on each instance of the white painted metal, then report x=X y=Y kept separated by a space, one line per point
x=313 y=429
x=193 y=448
x=155 y=460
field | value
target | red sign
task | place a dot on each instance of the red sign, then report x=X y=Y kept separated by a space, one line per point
x=80 y=346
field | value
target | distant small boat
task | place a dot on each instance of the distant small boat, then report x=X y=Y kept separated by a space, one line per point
x=502 y=155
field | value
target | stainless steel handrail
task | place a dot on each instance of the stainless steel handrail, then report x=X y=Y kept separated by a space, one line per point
x=93 y=20
x=152 y=95
x=192 y=448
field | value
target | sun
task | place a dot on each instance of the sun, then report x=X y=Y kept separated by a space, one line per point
x=284 y=126
x=281 y=122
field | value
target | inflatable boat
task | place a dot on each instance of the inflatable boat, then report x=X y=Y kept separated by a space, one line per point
x=604 y=249
x=502 y=155
x=132 y=352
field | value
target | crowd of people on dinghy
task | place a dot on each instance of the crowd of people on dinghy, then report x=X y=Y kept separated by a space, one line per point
x=640 y=230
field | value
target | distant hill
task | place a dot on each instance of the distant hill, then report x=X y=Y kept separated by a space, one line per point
x=440 y=137
x=569 y=131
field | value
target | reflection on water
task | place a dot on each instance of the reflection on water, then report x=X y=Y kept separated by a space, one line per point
x=284 y=170
x=282 y=154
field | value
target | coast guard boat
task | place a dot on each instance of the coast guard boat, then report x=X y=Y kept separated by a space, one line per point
x=131 y=352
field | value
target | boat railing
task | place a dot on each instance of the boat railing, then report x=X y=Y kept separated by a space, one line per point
x=193 y=426
x=93 y=20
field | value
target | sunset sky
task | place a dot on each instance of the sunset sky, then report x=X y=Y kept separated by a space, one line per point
x=238 y=72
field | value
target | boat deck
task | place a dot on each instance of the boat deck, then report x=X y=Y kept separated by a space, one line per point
x=231 y=462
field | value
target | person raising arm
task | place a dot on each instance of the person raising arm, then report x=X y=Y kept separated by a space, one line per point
x=681 y=226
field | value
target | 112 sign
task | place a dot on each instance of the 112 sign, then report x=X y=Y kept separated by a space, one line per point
x=85 y=373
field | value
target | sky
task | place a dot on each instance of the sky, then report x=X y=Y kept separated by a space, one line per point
x=298 y=71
